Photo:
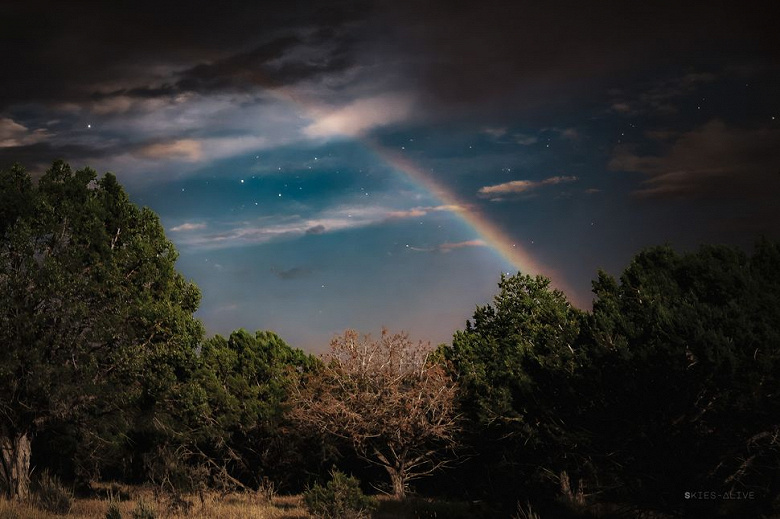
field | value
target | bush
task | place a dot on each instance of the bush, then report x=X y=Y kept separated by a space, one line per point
x=52 y=495
x=341 y=498
x=114 y=498
x=113 y=511
x=144 y=511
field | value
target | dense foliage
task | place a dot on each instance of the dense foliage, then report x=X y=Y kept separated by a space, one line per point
x=693 y=344
x=94 y=319
x=664 y=397
x=246 y=381
x=516 y=363
x=667 y=391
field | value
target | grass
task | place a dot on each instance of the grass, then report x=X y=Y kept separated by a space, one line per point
x=213 y=506
x=231 y=506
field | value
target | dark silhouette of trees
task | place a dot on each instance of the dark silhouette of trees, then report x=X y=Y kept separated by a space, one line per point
x=689 y=377
x=669 y=386
x=516 y=363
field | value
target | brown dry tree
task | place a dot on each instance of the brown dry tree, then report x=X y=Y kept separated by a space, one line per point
x=389 y=399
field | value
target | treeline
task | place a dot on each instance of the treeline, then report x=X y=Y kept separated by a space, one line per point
x=663 y=398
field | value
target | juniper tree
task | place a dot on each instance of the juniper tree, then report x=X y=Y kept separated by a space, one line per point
x=93 y=315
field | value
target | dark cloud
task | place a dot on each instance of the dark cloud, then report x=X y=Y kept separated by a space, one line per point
x=37 y=157
x=711 y=161
x=317 y=229
x=497 y=54
x=291 y=273
x=56 y=52
x=662 y=97
x=512 y=56
x=264 y=66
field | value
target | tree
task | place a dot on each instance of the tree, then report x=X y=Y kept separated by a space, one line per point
x=94 y=318
x=247 y=381
x=389 y=399
x=517 y=363
x=693 y=344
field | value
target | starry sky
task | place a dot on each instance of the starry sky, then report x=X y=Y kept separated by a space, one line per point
x=324 y=165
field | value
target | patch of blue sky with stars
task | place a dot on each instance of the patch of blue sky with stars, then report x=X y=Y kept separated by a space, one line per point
x=372 y=165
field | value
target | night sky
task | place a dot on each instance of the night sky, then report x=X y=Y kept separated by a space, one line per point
x=323 y=165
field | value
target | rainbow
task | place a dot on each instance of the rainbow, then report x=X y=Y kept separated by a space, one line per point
x=490 y=233
x=495 y=237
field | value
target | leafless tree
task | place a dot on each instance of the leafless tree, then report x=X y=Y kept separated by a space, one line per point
x=389 y=399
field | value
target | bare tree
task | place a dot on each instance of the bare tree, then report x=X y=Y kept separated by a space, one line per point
x=389 y=399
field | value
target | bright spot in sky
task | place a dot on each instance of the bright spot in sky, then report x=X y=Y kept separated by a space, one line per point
x=242 y=180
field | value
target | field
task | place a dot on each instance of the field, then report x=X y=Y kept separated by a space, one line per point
x=231 y=506
x=211 y=506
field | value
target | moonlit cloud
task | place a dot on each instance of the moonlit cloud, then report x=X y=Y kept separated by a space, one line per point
x=185 y=155
x=188 y=150
x=361 y=116
x=338 y=219
x=448 y=247
x=188 y=227
x=13 y=134
x=495 y=132
x=422 y=211
x=498 y=192
x=525 y=140
x=570 y=133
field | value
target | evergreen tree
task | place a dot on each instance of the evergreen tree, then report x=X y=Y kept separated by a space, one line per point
x=94 y=318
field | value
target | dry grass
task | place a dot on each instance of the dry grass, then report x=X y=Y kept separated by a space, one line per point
x=234 y=506
x=213 y=506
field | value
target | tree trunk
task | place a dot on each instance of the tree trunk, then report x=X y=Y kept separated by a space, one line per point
x=398 y=480
x=15 y=460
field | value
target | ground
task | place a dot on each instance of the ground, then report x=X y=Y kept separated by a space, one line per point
x=213 y=505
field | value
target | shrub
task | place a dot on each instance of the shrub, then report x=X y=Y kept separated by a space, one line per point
x=144 y=511
x=266 y=490
x=113 y=511
x=341 y=498
x=52 y=495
